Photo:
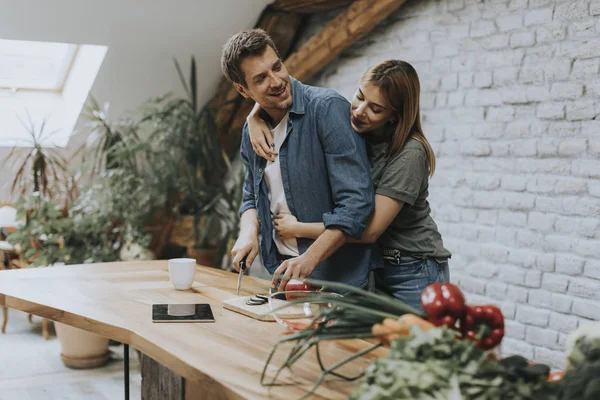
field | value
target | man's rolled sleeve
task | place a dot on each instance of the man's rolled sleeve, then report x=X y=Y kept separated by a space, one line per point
x=347 y=166
x=350 y=226
x=248 y=195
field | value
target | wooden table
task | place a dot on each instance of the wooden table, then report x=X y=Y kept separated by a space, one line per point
x=221 y=360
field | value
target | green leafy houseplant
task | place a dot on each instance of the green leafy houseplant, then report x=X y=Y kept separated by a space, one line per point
x=40 y=238
x=119 y=147
x=94 y=229
x=435 y=362
x=41 y=181
x=96 y=224
x=110 y=144
x=166 y=162
x=225 y=210
x=191 y=166
x=40 y=168
x=119 y=206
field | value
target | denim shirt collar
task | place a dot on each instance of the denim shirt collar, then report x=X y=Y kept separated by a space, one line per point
x=298 y=97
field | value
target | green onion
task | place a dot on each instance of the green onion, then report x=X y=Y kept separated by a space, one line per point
x=348 y=317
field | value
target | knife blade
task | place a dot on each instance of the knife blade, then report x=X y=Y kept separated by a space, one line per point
x=241 y=273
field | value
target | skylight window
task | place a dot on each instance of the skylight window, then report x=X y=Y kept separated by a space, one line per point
x=47 y=83
x=34 y=65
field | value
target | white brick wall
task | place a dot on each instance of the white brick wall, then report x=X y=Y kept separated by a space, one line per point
x=510 y=91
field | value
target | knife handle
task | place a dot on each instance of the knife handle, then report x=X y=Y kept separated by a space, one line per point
x=243 y=263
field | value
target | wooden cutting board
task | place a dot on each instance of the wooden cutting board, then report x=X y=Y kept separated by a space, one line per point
x=262 y=312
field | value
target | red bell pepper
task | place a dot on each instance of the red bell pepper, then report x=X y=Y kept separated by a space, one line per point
x=484 y=325
x=443 y=303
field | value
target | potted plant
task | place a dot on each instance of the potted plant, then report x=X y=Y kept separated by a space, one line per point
x=115 y=147
x=99 y=225
x=41 y=168
x=94 y=229
x=214 y=238
x=52 y=243
x=44 y=240
x=192 y=168
x=111 y=144
x=42 y=172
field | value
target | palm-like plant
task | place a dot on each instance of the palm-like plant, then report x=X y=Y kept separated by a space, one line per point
x=188 y=155
x=190 y=162
x=111 y=144
x=40 y=168
x=189 y=133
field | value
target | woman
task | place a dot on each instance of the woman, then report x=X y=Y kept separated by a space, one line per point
x=385 y=110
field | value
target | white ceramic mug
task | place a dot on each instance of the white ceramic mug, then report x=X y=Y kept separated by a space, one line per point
x=181 y=272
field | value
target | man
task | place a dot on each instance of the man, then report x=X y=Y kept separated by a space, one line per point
x=321 y=172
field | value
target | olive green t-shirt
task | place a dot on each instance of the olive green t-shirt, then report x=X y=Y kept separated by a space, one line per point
x=405 y=177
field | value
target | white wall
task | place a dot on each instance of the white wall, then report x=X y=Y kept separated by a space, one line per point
x=510 y=102
x=142 y=39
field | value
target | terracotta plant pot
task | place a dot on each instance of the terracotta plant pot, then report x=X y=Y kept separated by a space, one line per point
x=160 y=228
x=182 y=233
x=81 y=349
x=205 y=257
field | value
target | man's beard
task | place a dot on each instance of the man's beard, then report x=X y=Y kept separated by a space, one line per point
x=280 y=104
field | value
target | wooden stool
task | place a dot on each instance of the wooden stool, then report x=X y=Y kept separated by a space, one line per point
x=45 y=326
x=18 y=263
x=5 y=318
x=13 y=258
x=5 y=247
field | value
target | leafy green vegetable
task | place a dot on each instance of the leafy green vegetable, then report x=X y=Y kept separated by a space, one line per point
x=582 y=380
x=436 y=365
x=346 y=317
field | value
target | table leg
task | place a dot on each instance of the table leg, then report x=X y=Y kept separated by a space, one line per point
x=126 y=361
x=5 y=318
x=45 y=328
x=160 y=383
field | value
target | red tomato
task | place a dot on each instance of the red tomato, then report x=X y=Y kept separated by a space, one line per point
x=295 y=285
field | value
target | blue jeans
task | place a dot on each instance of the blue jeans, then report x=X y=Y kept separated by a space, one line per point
x=406 y=280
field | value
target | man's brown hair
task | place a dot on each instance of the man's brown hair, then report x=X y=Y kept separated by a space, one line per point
x=252 y=42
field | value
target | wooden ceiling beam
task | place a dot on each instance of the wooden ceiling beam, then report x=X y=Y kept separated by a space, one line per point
x=309 y=6
x=339 y=34
x=318 y=51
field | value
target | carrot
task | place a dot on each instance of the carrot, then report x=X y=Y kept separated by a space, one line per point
x=556 y=376
x=294 y=326
x=391 y=328
x=413 y=320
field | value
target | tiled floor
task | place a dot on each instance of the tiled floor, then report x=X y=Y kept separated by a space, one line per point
x=31 y=368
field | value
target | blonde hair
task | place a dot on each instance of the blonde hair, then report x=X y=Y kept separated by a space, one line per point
x=399 y=83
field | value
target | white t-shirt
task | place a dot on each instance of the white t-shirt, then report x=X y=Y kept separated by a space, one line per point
x=286 y=247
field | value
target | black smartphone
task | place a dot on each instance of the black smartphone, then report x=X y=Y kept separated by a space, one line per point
x=182 y=313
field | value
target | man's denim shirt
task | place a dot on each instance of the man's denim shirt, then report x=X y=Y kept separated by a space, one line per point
x=326 y=178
